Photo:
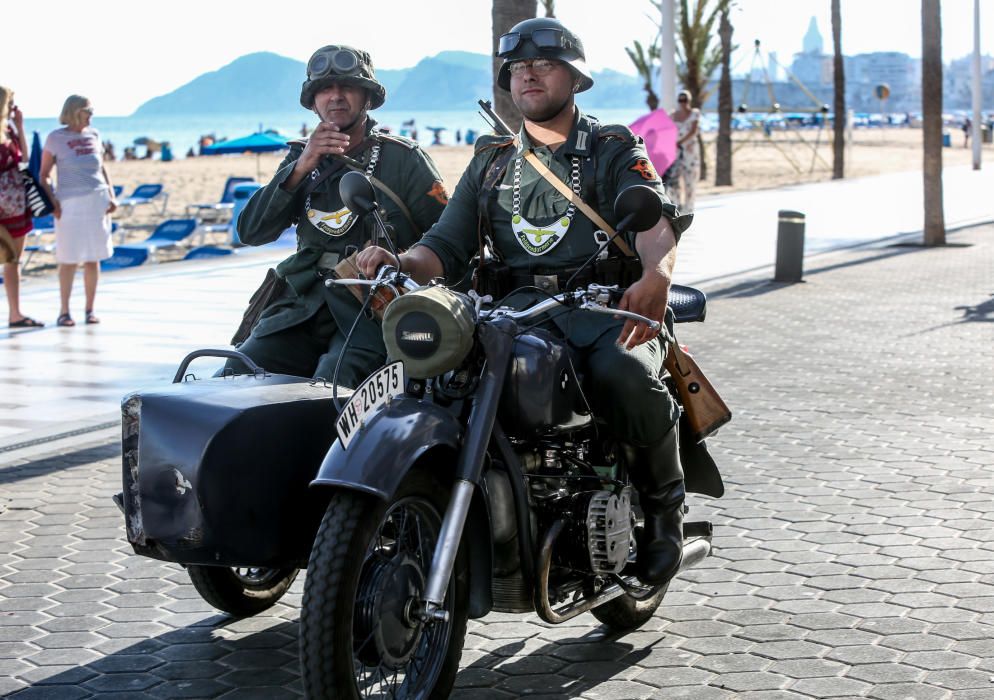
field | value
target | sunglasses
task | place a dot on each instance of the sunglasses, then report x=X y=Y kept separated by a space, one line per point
x=542 y=38
x=682 y=99
x=88 y=110
x=538 y=66
x=337 y=61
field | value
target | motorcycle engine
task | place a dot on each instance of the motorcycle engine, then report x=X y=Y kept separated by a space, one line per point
x=598 y=531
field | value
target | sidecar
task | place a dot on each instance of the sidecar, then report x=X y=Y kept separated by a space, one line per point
x=216 y=474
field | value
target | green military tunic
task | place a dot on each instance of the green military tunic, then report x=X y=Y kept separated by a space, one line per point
x=304 y=331
x=542 y=234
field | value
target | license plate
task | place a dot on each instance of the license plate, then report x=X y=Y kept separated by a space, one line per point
x=379 y=389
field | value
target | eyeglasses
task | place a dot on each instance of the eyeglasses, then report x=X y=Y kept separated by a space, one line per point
x=542 y=38
x=88 y=110
x=538 y=66
x=682 y=99
x=337 y=61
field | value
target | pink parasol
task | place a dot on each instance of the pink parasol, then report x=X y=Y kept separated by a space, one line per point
x=659 y=133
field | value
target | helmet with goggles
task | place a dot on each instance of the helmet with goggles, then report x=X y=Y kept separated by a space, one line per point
x=542 y=37
x=345 y=65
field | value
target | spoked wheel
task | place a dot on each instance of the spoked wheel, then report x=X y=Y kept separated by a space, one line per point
x=360 y=633
x=241 y=591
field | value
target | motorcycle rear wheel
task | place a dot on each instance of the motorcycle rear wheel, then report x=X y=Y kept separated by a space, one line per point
x=356 y=636
x=626 y=613
x=241 y=591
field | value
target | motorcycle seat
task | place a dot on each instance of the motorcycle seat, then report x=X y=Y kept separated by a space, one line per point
x=688 y=304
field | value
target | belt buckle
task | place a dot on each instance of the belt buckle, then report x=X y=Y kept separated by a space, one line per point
x=547 y=283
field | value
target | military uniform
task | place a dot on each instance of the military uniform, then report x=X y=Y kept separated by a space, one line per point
x=304 y=331
x=541 y=239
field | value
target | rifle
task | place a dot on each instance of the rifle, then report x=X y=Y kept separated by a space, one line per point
x=705 y=409
x=491 y=117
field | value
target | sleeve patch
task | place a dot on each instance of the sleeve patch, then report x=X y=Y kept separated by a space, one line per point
x=643 y=167
x=438 y=192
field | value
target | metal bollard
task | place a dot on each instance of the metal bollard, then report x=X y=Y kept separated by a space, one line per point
x=790 y=247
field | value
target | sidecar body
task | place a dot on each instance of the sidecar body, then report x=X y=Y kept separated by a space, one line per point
x=216 y=471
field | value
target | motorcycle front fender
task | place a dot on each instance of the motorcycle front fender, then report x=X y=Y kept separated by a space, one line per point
x=390 y=443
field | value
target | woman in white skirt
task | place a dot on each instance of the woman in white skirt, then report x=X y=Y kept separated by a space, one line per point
x=83 y=201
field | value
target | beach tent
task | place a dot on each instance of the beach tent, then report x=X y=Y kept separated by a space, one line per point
x=260 y=142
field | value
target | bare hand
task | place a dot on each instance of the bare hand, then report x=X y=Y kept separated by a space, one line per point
x=325 y=140
x=56 y=209
x=647 y=297
x=17 y=116
x=112 y=206
x=370 y=259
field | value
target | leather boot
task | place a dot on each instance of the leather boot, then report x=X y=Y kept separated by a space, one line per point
x=656 y=473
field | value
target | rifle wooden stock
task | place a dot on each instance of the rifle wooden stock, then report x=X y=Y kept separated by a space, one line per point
x=705 y=409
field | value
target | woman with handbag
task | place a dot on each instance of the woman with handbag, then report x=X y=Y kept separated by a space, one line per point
x=82 y=202
x=15 y=218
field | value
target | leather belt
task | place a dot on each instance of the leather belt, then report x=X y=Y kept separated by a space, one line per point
x=552 y=283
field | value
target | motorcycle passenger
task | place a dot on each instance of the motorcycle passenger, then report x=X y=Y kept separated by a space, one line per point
x=302 y=333
x=539 y=239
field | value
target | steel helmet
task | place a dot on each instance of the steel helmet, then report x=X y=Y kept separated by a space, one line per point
x=542 y=37
x=341 y=64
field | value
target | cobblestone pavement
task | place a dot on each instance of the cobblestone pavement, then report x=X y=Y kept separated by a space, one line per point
x=854 y=548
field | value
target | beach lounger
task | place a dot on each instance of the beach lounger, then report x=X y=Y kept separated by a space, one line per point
x=227 y=203
x=43 y=225
x=207 y=251
x=146 y=194
x=168 y=234
x=123 y=257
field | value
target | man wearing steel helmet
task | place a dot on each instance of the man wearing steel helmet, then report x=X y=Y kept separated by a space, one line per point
x=540 y=240
x=303 y=332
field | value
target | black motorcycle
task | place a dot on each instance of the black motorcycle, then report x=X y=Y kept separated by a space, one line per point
x=469 y=476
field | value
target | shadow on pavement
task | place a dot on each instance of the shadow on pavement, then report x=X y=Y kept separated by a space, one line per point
x=48 y=464
x=981 y=313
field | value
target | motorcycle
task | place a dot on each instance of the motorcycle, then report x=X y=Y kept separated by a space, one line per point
x=466 y=476
x=470 y=476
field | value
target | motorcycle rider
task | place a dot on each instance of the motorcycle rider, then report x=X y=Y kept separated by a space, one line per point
x=539 y=239
x=303 y=331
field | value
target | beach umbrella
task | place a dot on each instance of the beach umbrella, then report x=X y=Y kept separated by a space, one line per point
x=260 y=142
x=659 y=133
x=34 y=162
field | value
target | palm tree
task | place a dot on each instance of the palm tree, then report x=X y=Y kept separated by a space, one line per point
x=505 y=14
x=935 y=225
x=839 y=144
x=550 y=7
x=645 y=65
x=723 y=154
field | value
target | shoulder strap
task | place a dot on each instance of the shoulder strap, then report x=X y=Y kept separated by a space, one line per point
x=492 y=175
x=564 y=190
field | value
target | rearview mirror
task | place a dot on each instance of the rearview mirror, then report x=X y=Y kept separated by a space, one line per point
x=640 y=206
x=357 y=193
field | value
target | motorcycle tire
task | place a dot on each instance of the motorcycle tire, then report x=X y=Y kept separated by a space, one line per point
x=361 y=563
x=626 y=613
x=241 y=592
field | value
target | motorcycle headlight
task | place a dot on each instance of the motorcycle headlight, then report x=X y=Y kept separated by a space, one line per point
x=430 y=329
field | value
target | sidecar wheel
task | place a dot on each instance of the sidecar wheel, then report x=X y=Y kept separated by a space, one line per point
x=627 y=613
x=371 y=558
x=241 y=591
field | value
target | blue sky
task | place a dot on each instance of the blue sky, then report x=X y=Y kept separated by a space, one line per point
x=121 y=53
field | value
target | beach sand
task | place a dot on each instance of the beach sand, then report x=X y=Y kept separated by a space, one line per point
x=758 y=163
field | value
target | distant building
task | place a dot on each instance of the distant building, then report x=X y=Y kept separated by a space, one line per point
x=898 y=71
x=812 y=67
x=957 y=88
x=812 y=39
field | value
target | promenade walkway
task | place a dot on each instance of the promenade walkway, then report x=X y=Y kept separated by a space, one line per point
x=58 y=380
x=854 y=547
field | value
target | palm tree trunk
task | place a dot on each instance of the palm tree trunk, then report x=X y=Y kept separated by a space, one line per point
x=935 y=225
x=723 y=153
x=505 y=14
x=839 y=143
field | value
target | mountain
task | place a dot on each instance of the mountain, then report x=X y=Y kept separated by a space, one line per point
x=451 y=80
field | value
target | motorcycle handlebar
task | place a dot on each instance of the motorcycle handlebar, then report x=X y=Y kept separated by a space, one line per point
x=595 y=298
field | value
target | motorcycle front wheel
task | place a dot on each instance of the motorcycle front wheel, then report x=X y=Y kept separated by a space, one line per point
x=359 y=634
x=241 y=591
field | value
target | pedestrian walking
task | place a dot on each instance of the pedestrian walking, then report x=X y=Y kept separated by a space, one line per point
x=687 y=169
x=82 y=200
x=15 y=218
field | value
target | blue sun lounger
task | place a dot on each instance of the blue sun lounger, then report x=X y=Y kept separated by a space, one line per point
x=168 y=234
x=146 y=194
x=226 y=204
x=124 y=257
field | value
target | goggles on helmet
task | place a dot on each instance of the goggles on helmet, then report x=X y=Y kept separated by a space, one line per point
x=546 y=38
x=332 y=62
